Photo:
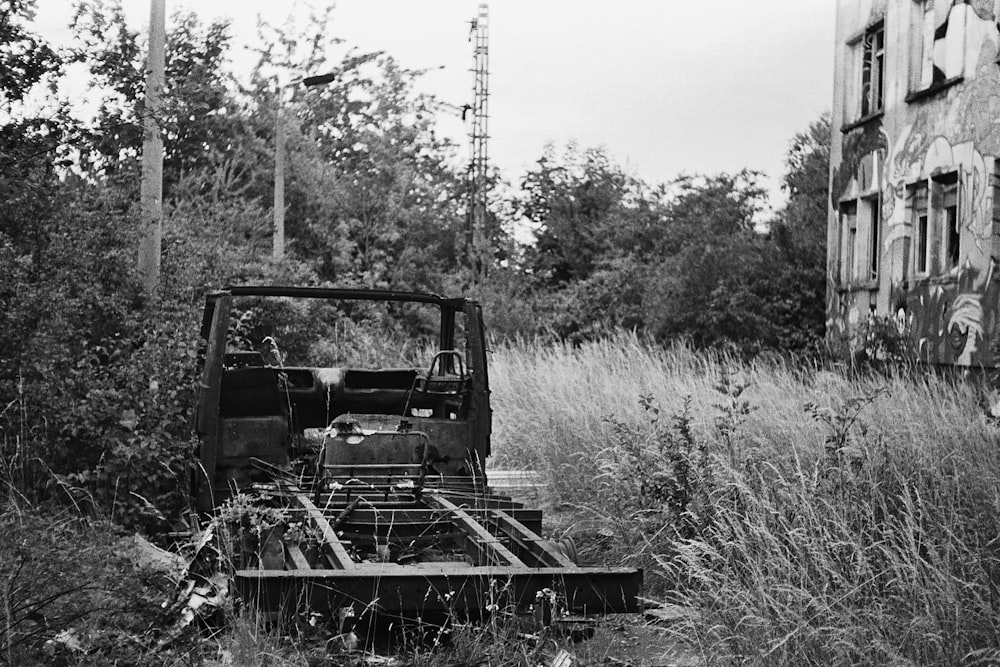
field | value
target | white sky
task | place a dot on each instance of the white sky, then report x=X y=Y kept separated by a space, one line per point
x=665 y=86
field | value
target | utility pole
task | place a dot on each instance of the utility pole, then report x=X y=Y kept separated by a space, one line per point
x=278 y=248
x=151 y=188
x=278 y=251
x=477 y=235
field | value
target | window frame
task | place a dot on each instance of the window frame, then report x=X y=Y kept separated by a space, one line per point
x=918 y=196
x=925 y=78
x=934 y=211
x=847 y=212
x=873 y=210
x=855 y=110
x=950 y=215
x=873 y=58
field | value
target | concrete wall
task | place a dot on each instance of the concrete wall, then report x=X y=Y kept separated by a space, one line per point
x=939 y=129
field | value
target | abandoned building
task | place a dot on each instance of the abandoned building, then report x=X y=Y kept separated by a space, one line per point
x=914 y=221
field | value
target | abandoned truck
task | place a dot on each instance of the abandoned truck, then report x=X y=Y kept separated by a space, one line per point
x=375 y=467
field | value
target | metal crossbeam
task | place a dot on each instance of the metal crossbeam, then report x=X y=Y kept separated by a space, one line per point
x=408 y=590
x=538 y=547
x=486 y=545
x=338 y=554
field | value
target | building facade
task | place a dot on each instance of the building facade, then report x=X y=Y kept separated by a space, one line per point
x=914 y=221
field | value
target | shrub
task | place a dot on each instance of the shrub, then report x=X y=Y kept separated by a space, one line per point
x=62 y=575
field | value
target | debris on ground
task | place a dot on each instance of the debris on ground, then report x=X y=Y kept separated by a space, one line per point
x=665 y=612
x=563 y=659
x=66 y=642
x=147 y=555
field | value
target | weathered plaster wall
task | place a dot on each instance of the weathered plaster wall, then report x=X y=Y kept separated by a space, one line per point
x=952 y=316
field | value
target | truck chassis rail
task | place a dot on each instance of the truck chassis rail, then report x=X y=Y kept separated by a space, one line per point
x=506 y=563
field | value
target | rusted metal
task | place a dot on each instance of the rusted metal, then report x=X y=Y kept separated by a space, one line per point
x=542 y=550
x=485 y=548
x=341 y=559
x=393 y=511
x=344 y=513
x=408 y=590
x=217 y=316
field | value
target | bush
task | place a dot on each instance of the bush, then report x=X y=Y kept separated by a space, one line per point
x=65 y=577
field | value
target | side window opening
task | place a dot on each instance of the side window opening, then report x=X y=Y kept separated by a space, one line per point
x=937 y=35
x=950 y=217
x=874 y=225
x=917 y=195
x=849 y=225
x=873 y=71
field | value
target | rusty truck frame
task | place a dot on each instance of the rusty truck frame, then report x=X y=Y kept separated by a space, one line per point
x=396 y=493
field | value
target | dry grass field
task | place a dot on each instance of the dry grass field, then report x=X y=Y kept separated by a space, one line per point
x=801 y=515
x=807 y=516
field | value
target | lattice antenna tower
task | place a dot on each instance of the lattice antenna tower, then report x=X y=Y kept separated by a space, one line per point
x=477 y=234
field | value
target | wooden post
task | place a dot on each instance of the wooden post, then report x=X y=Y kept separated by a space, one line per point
x=151 y=188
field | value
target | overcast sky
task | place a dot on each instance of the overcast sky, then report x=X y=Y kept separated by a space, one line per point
x=665 y=86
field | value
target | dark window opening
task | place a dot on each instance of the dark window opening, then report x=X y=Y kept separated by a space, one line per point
x=950 y=218
x=951 y=223
x=922 y=245
x=917 y=194
x=852 y=241
x=872 y=71
x=873 y=245
x=849 y=225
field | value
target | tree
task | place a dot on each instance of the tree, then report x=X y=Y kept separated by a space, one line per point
x=799 y=234
x=707 y=284
x=198 y=119
x=586 y=210
x=373 y=196
x=704 y=208
x=30 y=143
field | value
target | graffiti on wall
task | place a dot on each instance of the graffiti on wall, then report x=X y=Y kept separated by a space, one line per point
x=948 y=317
x=951 y=322
x=861 y=170
x=950 y=313
x=857 y=167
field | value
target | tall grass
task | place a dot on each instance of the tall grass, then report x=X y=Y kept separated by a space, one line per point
x=809 y=516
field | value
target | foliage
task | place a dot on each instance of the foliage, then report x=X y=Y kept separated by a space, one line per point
x=799 y=235
x=585 y=209
x=98 y=380
x=196 y=119
x=25 y=59
x=852 y=517
x=64 y=577
x=686 y=260
x=713 y=287
x=373 y=196
x=884 y=341
x=652 y=484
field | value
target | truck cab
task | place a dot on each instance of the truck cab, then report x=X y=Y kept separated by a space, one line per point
x=261 y=408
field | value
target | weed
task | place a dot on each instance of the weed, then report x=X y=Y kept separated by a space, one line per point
x=852 y=518
x=70 y=591
x=733 y=411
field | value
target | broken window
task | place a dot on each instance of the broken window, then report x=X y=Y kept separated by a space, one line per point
x=937 y=42
x=945 y=202
x=873 y=70
x=951 y=222
x=849 y=227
